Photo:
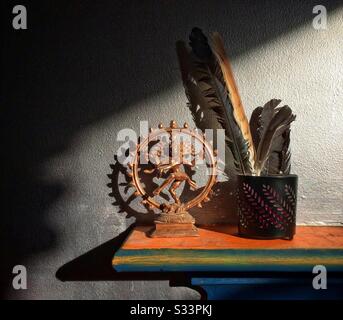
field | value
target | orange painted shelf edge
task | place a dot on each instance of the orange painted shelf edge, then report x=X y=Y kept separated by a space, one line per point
x=226 y=266
x=225 y=237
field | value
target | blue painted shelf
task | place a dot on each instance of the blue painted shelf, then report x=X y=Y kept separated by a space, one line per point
x=219 y=253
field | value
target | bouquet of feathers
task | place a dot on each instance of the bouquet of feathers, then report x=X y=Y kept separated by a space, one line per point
x=260 y=147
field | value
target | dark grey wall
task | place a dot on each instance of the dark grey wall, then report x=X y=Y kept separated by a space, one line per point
x=86 y=69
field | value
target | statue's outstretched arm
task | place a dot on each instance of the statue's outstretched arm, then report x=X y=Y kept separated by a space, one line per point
x=191 y=183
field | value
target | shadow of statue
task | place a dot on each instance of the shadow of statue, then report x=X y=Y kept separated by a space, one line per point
x=123 y=194
x=95 y=265
x=65 y=68
x=219 y=210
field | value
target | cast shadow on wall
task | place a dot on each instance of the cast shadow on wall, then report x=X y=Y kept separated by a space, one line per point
x=67 y=73
x=95 y=265
x=221 y=208
x=260 y=23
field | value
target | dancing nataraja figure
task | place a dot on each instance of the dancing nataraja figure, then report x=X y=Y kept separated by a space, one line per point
x=176 y=177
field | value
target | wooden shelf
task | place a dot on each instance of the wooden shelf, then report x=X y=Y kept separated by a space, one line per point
x=220 y=249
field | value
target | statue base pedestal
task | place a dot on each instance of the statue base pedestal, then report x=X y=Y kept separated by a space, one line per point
x=172 y=225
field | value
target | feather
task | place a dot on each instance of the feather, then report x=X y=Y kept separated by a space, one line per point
x=272 y=165
x=285 y=167
x=206 y=93
x=267 y=114
x=279 y=161
x=271 y=134
x=234 y=140
x=202 y=50
x=200 y=46
x=238 y=109
x=202 y=114
x=209 y=79
x=255 y=123
x=258 y=147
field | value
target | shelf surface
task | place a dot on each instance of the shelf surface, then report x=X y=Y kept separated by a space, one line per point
x=218 y=248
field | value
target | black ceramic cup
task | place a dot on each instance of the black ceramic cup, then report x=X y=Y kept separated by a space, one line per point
x=267 y=206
